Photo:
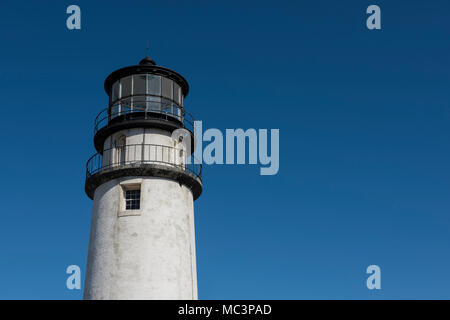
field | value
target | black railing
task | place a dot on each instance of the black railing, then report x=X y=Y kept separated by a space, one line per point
x=144 y=107
x=137 y=154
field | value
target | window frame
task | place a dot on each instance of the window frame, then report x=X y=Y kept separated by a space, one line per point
x=130 y=186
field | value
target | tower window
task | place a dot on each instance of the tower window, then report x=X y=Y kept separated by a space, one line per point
x=132 y=199
x=121 y=150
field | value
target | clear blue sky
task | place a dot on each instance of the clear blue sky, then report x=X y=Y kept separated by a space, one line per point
x=364 y=141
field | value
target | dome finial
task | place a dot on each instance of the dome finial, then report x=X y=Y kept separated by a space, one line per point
x=147 y=60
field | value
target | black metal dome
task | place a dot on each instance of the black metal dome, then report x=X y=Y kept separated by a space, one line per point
x=147 y=61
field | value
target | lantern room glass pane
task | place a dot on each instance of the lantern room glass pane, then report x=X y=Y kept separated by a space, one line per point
x=167 y=88
x=139 y=103
x=153 y=85
x=114 y=111
x=153 y=103
x=167 y=106
x=125 y=106
x=139 y=84
x=176 y=93
x=126 y=86
x=115 y=92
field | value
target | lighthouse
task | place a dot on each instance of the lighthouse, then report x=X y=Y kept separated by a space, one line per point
x=143 y=185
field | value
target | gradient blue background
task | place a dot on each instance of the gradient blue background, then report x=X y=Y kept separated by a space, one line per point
x=364 y=141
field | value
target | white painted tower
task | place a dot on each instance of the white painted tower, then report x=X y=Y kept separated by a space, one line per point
x=142 y=242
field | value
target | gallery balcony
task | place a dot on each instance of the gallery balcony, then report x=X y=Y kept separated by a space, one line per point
x=143 y=160
x=141 y=111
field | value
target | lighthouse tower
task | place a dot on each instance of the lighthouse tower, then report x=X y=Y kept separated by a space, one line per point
x=142 y=242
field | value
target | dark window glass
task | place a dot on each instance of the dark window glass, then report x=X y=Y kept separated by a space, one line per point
x=167 y=88
x=125 y=106
x=154 y=84
x=176 y=93
x=121 y=150
x=132 y=199
x=114 y=110
x=115 y=91
x=126 y=86
x=167 y=107
x=139 y=85
x=153 y=103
